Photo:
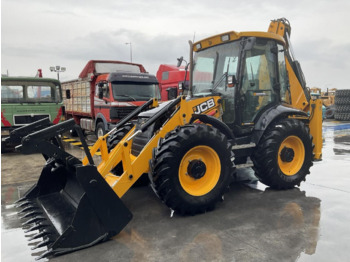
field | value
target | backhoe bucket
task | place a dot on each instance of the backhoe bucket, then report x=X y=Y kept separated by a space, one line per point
x=72 y=209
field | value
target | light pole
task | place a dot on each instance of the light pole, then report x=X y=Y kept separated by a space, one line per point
x=130 y=51
x=57 y=69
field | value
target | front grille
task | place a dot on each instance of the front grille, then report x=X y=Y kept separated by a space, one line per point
x=121 y=112
x=28 y=119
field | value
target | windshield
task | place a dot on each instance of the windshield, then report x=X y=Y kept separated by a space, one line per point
x=135 y=91
x=30 y=93
x=211 y=67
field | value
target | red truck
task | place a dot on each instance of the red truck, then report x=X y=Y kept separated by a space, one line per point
x=171 y=81
x=107 y=91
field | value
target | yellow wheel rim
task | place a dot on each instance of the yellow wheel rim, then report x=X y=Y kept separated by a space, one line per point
x=291 y=155
x=199 y=170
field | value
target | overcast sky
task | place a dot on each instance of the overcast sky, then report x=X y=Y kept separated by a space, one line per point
x=43 y=33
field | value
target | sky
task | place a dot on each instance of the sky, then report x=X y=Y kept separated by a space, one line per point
x=43 y=33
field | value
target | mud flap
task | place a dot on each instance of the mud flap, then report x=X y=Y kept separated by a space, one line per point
x=71 y=209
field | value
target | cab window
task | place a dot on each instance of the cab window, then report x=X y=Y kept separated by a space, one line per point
x=283 y=76
x=258 y=79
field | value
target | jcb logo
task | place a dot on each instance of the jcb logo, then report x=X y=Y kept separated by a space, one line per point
x=204 y=106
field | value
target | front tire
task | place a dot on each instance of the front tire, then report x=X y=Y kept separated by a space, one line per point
x=192 y=168
x=114 y=139
x=100 y=129
x=284 y=155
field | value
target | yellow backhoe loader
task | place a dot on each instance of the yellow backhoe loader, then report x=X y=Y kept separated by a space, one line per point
x=247 y=105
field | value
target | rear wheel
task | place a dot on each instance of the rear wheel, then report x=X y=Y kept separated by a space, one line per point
x=192 y=168
x=284 y=155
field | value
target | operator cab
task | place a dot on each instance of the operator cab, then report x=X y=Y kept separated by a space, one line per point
x=248 y=73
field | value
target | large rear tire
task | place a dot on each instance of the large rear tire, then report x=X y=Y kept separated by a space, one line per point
x=192 y=168
x=284 y=155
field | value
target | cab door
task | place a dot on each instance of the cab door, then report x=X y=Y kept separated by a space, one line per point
x=103 y=105
x=259 y=80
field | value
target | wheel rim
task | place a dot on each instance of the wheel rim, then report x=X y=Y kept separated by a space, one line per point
x=100 y=132
x=199 y=170
x=291 y=155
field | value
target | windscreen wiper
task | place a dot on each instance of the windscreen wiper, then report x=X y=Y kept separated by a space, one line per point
x=134 y=99
x=224 y=76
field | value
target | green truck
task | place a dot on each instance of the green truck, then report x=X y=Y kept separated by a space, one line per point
x=25 y=100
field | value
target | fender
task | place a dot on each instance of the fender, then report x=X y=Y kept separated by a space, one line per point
x=216 y=123
x=270 y=115
x=99 y=117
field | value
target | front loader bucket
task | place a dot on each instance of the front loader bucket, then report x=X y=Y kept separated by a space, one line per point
x=72 y=209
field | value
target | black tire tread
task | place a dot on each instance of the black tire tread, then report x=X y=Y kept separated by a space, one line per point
x=342 y=92
x=164 y=168
x=342 y=97
x=342 y=116
x=342 y=108
x=265 y=157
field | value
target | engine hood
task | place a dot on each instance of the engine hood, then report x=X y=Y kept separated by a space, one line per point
x=153 y=111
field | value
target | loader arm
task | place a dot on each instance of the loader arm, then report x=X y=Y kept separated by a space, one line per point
x=48 y=142
x=135 y=166
x=17 y=134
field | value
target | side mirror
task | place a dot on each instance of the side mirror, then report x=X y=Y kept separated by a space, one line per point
x=100 y=91
x=231 y=81
x=179 y=61
x=183 y=85
x=102 y=86
x=68 y=96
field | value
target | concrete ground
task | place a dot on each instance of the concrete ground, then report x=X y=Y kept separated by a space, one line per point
x=253 y=223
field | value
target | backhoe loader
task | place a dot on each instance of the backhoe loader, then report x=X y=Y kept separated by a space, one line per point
x=248 y=106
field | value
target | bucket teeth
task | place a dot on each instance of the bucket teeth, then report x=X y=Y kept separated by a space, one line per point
x=36 y=227
x=43 y=243
x=39 y=235
x=45 y=254
x=33 y=220
x=26 y=209
x=20 y=200
x=22 y=204
x=31 y=214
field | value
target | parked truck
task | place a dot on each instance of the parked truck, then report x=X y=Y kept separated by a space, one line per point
x=25 y=100
x=173 y=81
x=107 y=91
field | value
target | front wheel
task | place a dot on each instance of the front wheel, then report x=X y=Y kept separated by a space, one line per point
x=284 y=154
x=192 y=167
x=100 y=129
